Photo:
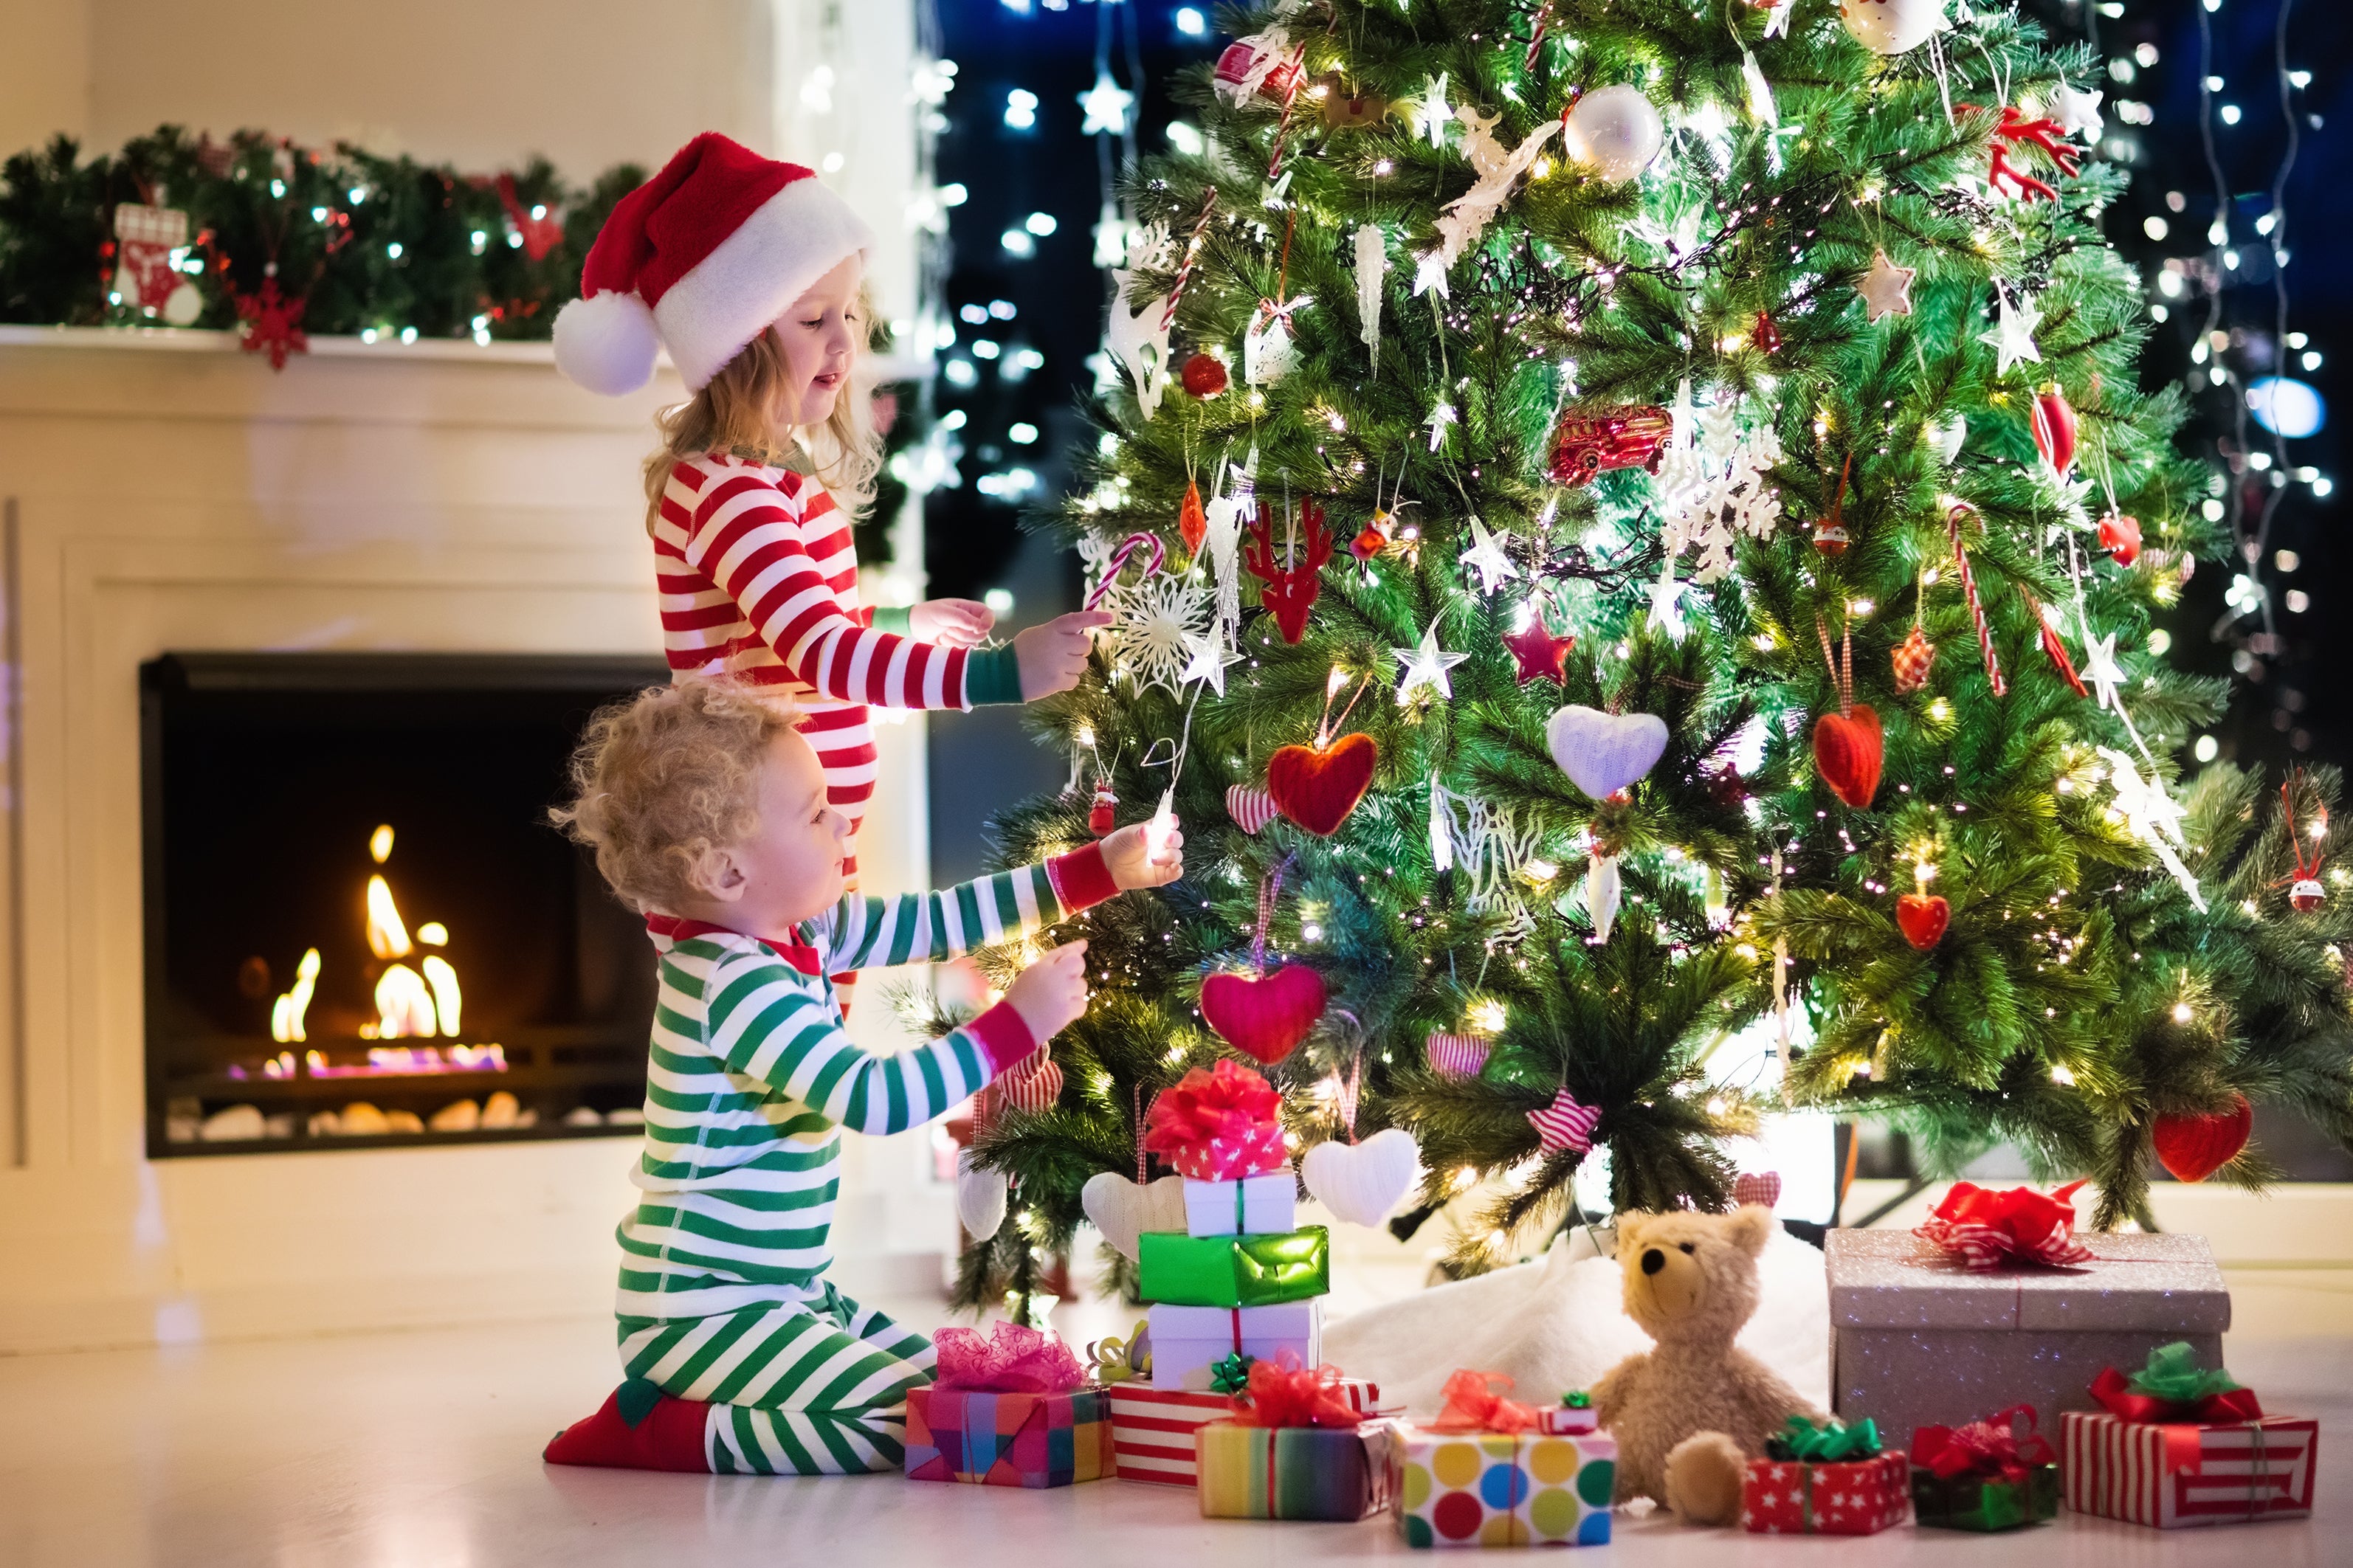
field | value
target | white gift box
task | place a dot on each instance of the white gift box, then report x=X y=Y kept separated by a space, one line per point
x=1186 y=1341
x=1255 y=1205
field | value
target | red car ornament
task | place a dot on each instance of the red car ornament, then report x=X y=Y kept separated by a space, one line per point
x=1583 y=445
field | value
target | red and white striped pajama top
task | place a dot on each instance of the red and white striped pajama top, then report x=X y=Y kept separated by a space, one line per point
x=758 y=578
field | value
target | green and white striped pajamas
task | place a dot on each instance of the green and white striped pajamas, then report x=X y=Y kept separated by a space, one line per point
x=751 y=1080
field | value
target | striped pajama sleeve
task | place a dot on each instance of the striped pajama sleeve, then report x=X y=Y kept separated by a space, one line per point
x=747 y=539
x=914 y=927
x=767 y=1025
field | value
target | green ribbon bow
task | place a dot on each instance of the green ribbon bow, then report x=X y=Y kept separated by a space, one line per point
x=1230 y=1375
x=2174 y=1375
x=1577 y=1399
x=1827 y=1444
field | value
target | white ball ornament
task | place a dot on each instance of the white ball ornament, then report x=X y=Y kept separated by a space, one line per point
x=1614 y=132
x=1893 y=26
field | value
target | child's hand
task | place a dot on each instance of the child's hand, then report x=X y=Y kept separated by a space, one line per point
x=951 y=623
x=1052 y=991
x=1053 y=656
x=1127 y=855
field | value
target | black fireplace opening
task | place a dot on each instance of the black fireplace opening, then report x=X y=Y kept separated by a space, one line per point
x=362 y=931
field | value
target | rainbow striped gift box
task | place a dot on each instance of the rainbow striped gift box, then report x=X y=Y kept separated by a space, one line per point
x=2173 y=1474
x=1008 y=1439
x=1294 y=1472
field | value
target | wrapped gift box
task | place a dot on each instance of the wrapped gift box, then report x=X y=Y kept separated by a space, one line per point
x=1972 y=1502
x=1255 y=1205
x=2171 y=1474
x=1008 y=1439
x=1847 y=1497
x=1293 y=1472
x=1490 y=1489
x=1152 y=1431
x=1914 y=1332
x=1186 y=1341
x=1233 y=1270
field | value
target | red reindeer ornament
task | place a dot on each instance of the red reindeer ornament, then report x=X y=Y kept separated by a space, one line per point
x=1290 y=589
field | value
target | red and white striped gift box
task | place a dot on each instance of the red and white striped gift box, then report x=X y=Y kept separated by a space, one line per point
x=1152 y=1431
x=2171 y=1475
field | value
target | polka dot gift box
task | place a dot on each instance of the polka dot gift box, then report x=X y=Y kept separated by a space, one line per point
x=1485 y=1474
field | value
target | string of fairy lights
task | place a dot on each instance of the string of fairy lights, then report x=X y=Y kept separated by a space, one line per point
x=2247 y=361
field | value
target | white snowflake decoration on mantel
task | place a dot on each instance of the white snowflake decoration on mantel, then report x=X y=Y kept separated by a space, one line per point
x=1712 y=488
x=1159 y=623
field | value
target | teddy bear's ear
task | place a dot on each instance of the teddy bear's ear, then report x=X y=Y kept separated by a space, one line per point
x=1750 y=1227
x=1630 y=1230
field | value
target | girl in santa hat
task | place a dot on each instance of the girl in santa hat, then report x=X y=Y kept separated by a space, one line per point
x=750 y=272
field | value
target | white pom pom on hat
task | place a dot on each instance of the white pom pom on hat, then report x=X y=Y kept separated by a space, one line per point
x=606 y=343
x=699 y=259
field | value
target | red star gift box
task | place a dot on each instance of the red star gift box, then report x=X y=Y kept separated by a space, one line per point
x=1827 y=1480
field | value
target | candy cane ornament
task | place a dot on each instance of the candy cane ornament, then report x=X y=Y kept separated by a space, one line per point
x=1128 y=547
x=1954 y=517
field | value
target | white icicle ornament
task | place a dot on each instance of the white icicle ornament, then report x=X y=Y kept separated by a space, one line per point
x=1893 y=26
x=1601 y=895
x=1372 y=262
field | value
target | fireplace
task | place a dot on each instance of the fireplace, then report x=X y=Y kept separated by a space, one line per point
x=361 y=931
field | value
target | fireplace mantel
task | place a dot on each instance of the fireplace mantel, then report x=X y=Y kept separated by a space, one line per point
x=165 y=490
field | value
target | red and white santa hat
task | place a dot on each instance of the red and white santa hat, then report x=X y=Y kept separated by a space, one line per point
x=699 y=260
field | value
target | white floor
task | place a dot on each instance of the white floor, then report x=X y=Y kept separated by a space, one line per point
x=421 y=1451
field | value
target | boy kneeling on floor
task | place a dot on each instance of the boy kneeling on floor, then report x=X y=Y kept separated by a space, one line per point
x=708 y=812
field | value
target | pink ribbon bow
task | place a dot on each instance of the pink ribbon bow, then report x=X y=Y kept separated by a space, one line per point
x=1017 y=1360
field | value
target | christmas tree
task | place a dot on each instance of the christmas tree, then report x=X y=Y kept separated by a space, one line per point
x=1652 y=531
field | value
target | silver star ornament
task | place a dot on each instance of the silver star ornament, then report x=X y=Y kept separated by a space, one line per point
x=1426 y=666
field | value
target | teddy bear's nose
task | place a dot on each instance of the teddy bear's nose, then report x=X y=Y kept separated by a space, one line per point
x=1653 y=1260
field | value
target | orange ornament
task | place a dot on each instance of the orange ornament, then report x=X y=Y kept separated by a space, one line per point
x=1192 y=523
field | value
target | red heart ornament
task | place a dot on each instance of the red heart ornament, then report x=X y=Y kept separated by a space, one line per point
x=1318 y=787
x=1848 y=752
x=1924 y=917
x=1267 y=1018
x=2054 y=430
x=2194 y=1147
x=2120 y=537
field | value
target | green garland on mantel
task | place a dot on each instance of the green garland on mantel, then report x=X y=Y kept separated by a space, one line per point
x=333 y=240
x=284 y=241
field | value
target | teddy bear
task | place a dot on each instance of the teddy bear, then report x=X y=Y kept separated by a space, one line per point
x=1691 y=1414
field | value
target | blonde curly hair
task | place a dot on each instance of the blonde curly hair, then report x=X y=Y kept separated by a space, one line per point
x=667 y=778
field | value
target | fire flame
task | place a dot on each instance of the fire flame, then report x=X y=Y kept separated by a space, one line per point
x=408 y=1005
x=286 y=1013
x=387 y=938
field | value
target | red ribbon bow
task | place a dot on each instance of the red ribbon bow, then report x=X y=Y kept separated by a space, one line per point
x=2001 y=1447
x=1217 y=1125
x=1017 y=1360
x=1987 y=1227
x=1475 y=1403
x=1290 y=1395
x=2115 y=1391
